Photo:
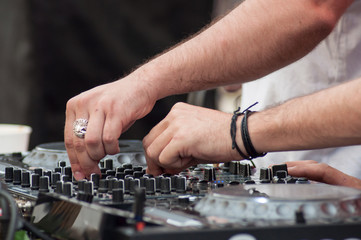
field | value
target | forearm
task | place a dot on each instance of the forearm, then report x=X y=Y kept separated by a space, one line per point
x=328 y=118
x=256 y=38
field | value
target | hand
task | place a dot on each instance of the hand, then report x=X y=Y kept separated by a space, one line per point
x=110 y=109
x=233 y=87
x=188 y=135
x=322 y=172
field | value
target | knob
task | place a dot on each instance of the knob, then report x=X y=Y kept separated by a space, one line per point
x=278 y=167
x=138 y=169
x=209 y=174
x=265 y=174
x=94 y=177
x=118 y=195
x=108 y=164
x=81 y=185
x=150 y=186
x=9 y=174
x=181 y=185
x=62 y=164
x=59 y=187
x=158 y=183
x=44 y=184
x=173 y=179
x=110 y=173
x=137 y=174
x=111 y=183
x=25 y=179
x=38 y=171
x=129 y=172
x=35 y=179
x=127 y=185
x=48 y=174
x=68 y=172
x=17 y=177
x=57 y=169
x=120 y=175
x=234 y=168
x=127 y=166
x=133 y=184
x=165 y=185
x=55 y=178
x=244 y=170
x=103 y=186
x=68 y=189
x=120 y=169
x=88 y=188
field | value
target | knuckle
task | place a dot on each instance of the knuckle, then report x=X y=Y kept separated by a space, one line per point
x=92 y=141
x=109 y=139
x=79 y=146
x=69 y=143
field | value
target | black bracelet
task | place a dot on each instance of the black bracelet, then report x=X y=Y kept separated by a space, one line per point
x=234 y=131
x=246 y=138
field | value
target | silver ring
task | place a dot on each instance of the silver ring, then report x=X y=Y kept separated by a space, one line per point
x=79 y=127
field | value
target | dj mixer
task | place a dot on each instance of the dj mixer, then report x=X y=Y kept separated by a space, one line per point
x=225 y=201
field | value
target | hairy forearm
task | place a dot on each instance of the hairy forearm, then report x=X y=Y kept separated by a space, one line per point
x=328 y=118
x=256 y=38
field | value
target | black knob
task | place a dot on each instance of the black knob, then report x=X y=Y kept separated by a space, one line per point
x=44 y=184
x=137 y=174
x=234 y=168
x=108 y=164
x=110 y=173
x=133 y=184
x=94 y=177
x=57 y=169
x=111 y=183
x=62 y=164
x=142 y=181
x=35 y=179
x=165 y=186
x=127 y=185
x=150 y=186
x=38 y=171
x=68 y=189
x=173 y=183
x=244 y=170
x=279 y=167
x=119 y=184
x=209 y=174
x=101 y=163
x=158 y=183
x=48 y=174
x=103 y=186
x=9 y=174
x=129 y=172
x=25 y=179
x=281 y=174
x=56 y=177
x=118 y=195
x=68 y=172
x=81 y=184
x=88 y=188
x=120 y=169
x=138 y=169
x=225 y=167
x=59 y=187
x=265 y=174
x=183 y=200
x=127 y=166
x=17 y=177
x=120 y=175
x=181 y=185
x=66 y=178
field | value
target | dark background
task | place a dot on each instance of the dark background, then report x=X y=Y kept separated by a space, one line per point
x=51 y=51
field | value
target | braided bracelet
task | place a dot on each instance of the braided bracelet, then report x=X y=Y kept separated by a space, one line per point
x=246 y=138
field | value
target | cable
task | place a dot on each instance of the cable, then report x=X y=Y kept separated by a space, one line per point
x=31 y=228
x=13 y=216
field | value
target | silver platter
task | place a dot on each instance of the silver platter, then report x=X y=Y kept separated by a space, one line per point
x=48 y=155
x=271 y=203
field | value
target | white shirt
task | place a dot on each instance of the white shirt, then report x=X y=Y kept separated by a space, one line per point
x=335 y=60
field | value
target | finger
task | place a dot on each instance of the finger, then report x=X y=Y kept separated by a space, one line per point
x=93 y=137
x=174 y=156
x=303 y=162
x=69 y=142
x=155 y=131
x=111 y=132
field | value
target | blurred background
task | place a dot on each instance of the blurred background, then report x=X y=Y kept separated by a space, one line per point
x=51 y=51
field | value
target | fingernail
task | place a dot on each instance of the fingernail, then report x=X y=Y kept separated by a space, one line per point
x=78 y=176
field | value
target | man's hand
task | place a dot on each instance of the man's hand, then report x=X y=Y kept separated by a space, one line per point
x=188 y=135
x=110 y=110
x=322 y=172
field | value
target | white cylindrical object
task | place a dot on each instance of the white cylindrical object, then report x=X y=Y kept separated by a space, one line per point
x=14 y=138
